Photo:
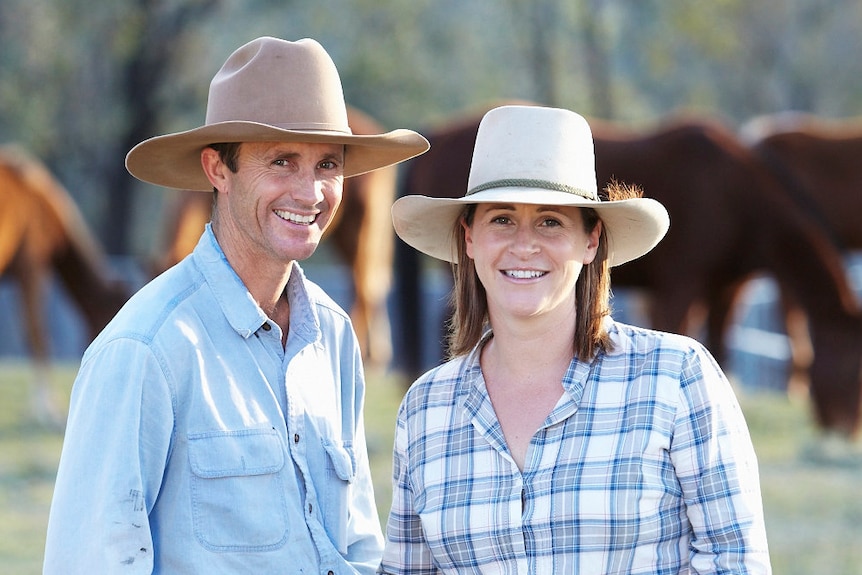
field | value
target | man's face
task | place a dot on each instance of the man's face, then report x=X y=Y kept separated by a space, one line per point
x=275 y=208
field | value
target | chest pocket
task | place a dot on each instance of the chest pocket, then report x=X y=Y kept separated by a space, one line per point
x=237 y=490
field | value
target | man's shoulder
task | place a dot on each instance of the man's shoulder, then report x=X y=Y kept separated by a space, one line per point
x=148 y=309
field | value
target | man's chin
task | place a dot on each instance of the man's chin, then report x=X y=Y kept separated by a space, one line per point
x=300 y=253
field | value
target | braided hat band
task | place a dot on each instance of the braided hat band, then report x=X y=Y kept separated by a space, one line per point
x=532 y=183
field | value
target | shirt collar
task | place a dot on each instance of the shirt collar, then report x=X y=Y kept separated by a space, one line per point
x=237 y=304
x=472 y=385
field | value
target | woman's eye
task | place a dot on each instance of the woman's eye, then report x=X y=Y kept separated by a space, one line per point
x=550 y=222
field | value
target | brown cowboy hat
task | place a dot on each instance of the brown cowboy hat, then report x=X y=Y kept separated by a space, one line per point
x=270 y=90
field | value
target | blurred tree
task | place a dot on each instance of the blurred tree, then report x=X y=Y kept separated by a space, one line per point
x=149 y=44
x=593 y=34
x=81 y=81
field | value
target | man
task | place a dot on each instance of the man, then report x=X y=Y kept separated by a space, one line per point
x=216 y=424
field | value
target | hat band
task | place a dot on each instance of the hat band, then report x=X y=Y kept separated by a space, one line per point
x=530 y=183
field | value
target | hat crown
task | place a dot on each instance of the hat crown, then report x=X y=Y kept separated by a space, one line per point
x=289 y=85
x=534 y=147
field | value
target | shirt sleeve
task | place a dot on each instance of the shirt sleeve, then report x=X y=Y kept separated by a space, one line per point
x=117 y=440
x=406 y=551
x=717 y=469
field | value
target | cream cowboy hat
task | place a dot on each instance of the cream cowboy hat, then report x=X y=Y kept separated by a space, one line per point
x=270 y=90
x=532 y=155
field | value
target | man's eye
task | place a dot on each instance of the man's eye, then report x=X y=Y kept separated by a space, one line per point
x=328 y=165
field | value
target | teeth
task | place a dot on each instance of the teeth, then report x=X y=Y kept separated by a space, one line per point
x=524 y=274
x=295 y=218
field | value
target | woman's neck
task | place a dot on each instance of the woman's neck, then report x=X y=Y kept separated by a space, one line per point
x=527 y=354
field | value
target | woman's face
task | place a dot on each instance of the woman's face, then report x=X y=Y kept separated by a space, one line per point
x=529 y=257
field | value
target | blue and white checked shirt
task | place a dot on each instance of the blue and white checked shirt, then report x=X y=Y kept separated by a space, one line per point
x=196 y=443
x=644 y=466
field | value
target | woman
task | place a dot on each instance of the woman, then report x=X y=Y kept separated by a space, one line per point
x=556 y=440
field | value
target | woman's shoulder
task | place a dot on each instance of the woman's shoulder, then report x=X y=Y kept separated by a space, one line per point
x=629 y=338
x=441 y=383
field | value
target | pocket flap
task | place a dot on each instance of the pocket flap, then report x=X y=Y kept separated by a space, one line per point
x=233 y=453
x=342 y=460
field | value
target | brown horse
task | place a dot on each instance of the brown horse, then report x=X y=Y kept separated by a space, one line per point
x=819 y=162
x=729 y=220
x=361 y=234
x=42 y=232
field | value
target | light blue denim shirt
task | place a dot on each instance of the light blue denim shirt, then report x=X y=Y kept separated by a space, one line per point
x=196 y=443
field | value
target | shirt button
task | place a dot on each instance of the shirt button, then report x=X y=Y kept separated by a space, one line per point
x=309 y=507
x=296 y=438
x=266 y=327
x=330 y=573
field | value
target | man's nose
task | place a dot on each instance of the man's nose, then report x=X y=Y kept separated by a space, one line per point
x=308 y=188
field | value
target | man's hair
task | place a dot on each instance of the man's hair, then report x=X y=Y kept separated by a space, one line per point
x=228 y=152
x=592 y=290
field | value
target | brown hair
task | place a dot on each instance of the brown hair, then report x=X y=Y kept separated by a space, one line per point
x=592 y=290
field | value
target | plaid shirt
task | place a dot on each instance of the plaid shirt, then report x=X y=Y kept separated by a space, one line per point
x=644 y=466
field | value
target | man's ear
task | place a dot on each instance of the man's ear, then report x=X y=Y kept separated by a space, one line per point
x=214 y=168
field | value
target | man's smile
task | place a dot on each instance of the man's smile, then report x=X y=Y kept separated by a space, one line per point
x=295 y=218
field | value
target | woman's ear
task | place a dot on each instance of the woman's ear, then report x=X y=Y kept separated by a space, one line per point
x=468 y=237
x=593 y=243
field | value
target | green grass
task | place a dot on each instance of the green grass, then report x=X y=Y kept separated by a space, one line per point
x=813 y=510
x=28 y=462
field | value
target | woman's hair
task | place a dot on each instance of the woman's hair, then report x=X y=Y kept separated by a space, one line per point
x=592 y=290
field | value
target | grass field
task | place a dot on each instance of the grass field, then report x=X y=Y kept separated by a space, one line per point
x=813 y=510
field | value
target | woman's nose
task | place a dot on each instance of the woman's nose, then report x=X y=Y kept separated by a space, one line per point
x=525 y=241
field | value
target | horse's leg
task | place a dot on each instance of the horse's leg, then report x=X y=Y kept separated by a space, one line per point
x=674 y=308
x=836 y=376
x=717 y=321
x=372 y=280
x=411 y=309
x=801 y=348
x=721 y=305
x=369 y=314
x=32 y=275
x=372 y=268
x=363 y=238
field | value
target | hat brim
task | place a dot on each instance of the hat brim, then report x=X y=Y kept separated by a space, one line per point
x=633 y=226
x=174 y=160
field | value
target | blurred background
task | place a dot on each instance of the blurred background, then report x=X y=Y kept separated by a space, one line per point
x=82 y=81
